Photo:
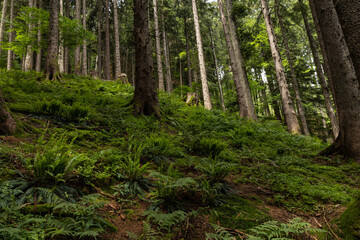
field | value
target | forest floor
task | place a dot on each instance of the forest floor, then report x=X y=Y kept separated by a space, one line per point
x=192 y=174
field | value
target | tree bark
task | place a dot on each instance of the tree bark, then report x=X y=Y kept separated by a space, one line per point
x=29 y=53
x=99 y=40
x=346 y=84
x=2 y=24
x=66 y=49
x=188 y=53
x=166 y=58
x=117 y=42
x=77 y=66
x=273 y=91
x=52 y=68
x=39 y=39
x=61 y=45
x=216 y=70
x=10 y=55
x=204 y=82
x=288 y=108
x=299 y=104
x=145 y=97
x=320 y=74
x=7 y=122
x=158 y=48
x=107 y=42
x=248 y=109
x=84 y=59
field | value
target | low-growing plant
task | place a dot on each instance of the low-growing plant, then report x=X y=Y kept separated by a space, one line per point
x=209 y=147
x=220 y=234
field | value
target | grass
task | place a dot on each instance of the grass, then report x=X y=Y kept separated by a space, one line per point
x=97 y=116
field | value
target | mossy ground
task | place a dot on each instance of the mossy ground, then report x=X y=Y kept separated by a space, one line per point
x=98 y=116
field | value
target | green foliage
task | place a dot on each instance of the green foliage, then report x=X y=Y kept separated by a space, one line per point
x=349 y=221
x=148 y=233
x=220 y=234
x=215 y=170
x=166 y=221
x=47 y=173
x=295 y=229
x=209 y=147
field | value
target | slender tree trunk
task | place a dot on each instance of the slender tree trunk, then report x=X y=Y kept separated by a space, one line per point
x=145 y=96
x=84 y=59
x=61 y=46
x=133 y=70
x=346 y=84
x=248 y=109
x=158 y=48
x=166 y=58
x=181 y=78
x=10 y=55
x=77 y=54
x=66 y=49
x=273 y=91
x=299 y=104
x=39 y=53
x=288 y=108
x=188 y=53
x=2 y=24
x=320 y=74
x=204 y=82
x=52 y=68
x=99 y=40
x=216 y=70
x=117 y=42
x=107 y=42
x=127 y=60
x=29 y=53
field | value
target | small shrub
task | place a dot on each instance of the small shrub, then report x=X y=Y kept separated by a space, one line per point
x=209 y=147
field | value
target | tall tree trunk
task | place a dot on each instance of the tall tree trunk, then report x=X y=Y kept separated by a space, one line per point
x=99 y=40
x=204 y=82
x=77 y=69
x=299 y=104
x=157 y=46
x=346 y=84
x=188 y=53
x=2 y=24
x=7 y=122
x=10 y=55
x=248 y=109
x=166 y=58
x=288 y=108
x=66 y=49
x=52 y=68
x=132 y=70
x=61 y=46
x=320 y=74
x=273 y=91
x=145 y=96
x=349 y=16
x=216 y=70
x=29 y=53
x=84 y=59
x=107 y=42
x=39 y=39
x=117 y=42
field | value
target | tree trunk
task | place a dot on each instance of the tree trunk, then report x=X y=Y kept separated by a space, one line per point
x=346 y=84
x=7 y=122
x=10 y=55
x=248 y=109
x=188 y=53
x=132 y=70
x=158 y=48
x=145 y=97
x=204 y=82
x=61 y=46
x=66 y=49
x=77 y=66
x=107 y=42
x=99 y=40
x=320 y=74
x=2 y=24
x=52 y=68
x=29 y=53
x=84 y=59
x=39 y=53
x=349 y=16
x=217 y=71
x=273 y=91
x=299 y=104
x=117 y=42
x=288 y=108
x=166 y=58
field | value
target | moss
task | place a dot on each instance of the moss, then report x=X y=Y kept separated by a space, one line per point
x=350 y=221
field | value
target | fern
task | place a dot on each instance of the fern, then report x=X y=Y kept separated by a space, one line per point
x=148 y=234
x=165 y=221
x=295 y=229
x=220 y=234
